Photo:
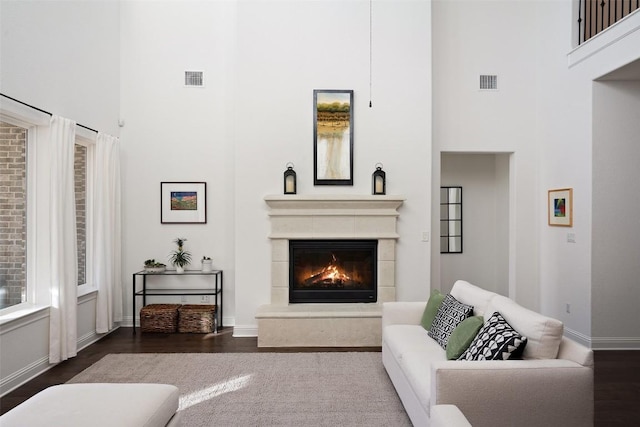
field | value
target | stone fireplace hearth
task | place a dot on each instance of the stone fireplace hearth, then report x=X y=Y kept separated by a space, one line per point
x=322 y=217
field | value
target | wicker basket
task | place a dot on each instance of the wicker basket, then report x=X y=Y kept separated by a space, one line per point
x=159 y=318
x=197 y=318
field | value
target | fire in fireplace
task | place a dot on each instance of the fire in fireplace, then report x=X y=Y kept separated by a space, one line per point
x=324 y=271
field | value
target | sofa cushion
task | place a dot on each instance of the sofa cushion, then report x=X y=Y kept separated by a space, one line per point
x=414 y=352
x=403 y=339
x=463 y=335
x=544 y=334
x=470 y=294
x=417 y=370
x=430 y=311
x=450 y=313
x=496 y=340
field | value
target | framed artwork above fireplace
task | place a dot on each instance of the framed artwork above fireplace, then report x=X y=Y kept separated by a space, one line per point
x=332 y=137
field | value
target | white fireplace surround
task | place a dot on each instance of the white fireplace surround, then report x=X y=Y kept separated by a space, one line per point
x=295 y=217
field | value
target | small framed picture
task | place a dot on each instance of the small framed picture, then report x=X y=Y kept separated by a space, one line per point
x=560 y=207
x=183 y=202
x=332 y=137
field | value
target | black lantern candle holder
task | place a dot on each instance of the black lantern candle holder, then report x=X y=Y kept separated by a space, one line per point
x=378 y=181
x=290 y=180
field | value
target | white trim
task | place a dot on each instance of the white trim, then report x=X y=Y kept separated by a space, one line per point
x=615 y=343
x=26 y=118
x=21 y=115
x=91 y=294
x=87 y=139
x=20 y=318
x=89 y=338
x=40 y=366
x=611 y=35
x=24 y=375
x=86 y=136
x=243 y=331
x=577 y=337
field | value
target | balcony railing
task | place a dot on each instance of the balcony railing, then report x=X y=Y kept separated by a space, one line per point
x=595 y=16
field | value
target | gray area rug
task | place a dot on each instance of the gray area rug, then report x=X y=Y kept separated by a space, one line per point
x=265 y=389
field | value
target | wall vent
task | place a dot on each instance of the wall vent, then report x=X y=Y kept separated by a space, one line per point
x=194 y=78
x=488 y=82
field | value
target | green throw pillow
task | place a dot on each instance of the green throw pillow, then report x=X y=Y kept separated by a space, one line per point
x=431 y=309
x=463 y=335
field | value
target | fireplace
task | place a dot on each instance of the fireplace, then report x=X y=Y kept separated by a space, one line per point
x=333 y=271
x=340 y=219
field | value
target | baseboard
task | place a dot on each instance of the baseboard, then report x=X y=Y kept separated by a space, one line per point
x=245 y=331
x=24 y=375
x=604 y=343
x=40 y=366
x=578 y=337
x=615 y=343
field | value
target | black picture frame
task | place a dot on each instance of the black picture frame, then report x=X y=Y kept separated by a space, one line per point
x=332 y=137
x=183 y=202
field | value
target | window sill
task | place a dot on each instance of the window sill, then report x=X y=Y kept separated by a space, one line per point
x=23 y=311
x=20 y=313
x=84 y=290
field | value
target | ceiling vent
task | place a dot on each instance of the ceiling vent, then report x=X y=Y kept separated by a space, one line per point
x=488 y=82
x=194 y=78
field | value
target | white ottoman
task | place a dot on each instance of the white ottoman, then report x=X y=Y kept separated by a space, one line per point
x=98 y=405
x=448 y=416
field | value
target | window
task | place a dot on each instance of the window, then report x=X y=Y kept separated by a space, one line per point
x=18 y=268
x=84 y=159
x=80 y=178
x=13 y=218
x=24 y=218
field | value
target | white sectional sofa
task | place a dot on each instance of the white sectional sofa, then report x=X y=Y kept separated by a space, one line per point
x=552 y=385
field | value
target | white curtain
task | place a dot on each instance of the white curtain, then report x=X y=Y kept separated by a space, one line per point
x=107 y=237
x=64 y=287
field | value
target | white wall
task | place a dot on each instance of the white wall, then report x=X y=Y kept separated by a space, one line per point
x=485 y=222
x=62 y=57
x=262 y=61
x=286 y=49
x=469 y=40
x=616 y=203
x=563 y=133
x=174 y=133
x=566 y=119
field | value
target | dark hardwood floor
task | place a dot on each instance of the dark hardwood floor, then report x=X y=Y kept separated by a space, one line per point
x=617 y=373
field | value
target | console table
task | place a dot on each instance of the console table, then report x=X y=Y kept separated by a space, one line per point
x=216 y=289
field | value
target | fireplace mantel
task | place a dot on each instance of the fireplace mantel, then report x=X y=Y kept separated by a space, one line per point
x=341 y=202
x=294 y=217
x=333 y=216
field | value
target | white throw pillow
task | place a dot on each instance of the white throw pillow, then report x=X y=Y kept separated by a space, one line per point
x=470 y=294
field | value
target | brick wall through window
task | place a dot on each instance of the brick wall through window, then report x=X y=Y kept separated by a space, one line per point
x=80 y=171
x=13 y=229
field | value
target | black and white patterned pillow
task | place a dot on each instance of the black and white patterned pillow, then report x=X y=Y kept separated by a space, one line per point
x=496 y=340
x=450 y=313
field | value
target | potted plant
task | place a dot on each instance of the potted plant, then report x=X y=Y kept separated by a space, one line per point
x=152 y=266
x=206 y=264
x=179 y=257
